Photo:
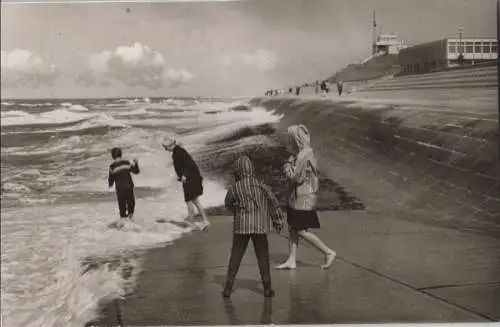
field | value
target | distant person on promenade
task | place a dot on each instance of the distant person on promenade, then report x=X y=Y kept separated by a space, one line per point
x=302 y=171
x=324 y=88
x=297 y=90
x=255 y=209
x=317 y=87
x=189 y=174
x=119 y=175
x=340 y=86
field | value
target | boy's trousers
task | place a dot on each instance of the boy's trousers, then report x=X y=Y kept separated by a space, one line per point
x=126 y=202
x=261 y=247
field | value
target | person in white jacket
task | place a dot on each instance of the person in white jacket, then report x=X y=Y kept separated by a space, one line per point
x=302 y=172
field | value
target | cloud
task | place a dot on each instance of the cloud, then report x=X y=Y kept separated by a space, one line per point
x=178 y=77
x=96 y=72
x=24 y=68
x=136 y=65
x=261 y=60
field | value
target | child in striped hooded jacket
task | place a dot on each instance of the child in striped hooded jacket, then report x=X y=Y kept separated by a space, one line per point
x=255 y=209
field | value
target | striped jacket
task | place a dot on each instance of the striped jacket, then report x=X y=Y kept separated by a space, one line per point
x=119 y=174
x=254 y=206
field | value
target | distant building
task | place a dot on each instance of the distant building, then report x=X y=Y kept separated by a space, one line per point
x=446 y=53
x=389 y=44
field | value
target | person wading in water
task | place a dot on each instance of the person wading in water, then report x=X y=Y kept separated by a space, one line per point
x=189 y=174
x=119 y=175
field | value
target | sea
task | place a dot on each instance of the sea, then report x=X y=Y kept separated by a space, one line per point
x=59 y=256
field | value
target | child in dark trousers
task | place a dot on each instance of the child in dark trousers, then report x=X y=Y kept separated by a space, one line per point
x=255 y=209
x=119 y=175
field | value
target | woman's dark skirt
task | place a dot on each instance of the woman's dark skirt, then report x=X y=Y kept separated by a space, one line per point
x=192 y=189
x=302 y=219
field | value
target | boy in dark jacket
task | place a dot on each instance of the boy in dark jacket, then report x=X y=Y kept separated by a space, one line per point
x=119 y=175
x=255 y=210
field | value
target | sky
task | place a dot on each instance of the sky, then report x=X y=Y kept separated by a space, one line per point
x=207 y=48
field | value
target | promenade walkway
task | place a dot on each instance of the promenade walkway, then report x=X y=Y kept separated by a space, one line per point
x=387 y=270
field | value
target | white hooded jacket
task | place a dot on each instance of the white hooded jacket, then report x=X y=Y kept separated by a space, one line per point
x=303 y=172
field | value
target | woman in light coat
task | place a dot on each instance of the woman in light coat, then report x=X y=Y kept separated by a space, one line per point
x=302 y=172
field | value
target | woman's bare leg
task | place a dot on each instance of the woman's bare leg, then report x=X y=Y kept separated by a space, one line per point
x=201 y=210
x=318 y=244
x=293 y=243
x=190 y=207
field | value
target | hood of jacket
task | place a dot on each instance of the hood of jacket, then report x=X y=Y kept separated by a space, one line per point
x=243 y=168
x=300 y=135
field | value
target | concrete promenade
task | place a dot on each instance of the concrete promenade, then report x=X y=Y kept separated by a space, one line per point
x=387 y=270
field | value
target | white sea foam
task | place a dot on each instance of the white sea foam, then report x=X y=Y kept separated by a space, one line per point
x=48 y=148
x=43 y=246
x=52 y=290
x=15 y=188
x=59 y=116
x=31 y=105
x=136 y=112
x=77 y=108
x=210 y=127
x=13 y=114
x=52 y=117
x=213 y=106
x=175 y=102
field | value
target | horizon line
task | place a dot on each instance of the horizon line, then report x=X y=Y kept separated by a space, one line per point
x=35 y=2
x=127 y=97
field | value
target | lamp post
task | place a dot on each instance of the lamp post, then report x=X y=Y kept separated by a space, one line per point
x=460 y=46
x=374 y=45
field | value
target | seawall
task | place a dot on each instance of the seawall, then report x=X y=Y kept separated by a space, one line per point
x=434 y=159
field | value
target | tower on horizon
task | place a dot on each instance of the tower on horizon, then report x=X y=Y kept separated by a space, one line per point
x=374 y=44
x=386 y=43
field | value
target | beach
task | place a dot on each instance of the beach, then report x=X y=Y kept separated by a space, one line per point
x=56 y=206
x=407 y=244
x=402 y=117
x=390 y=168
